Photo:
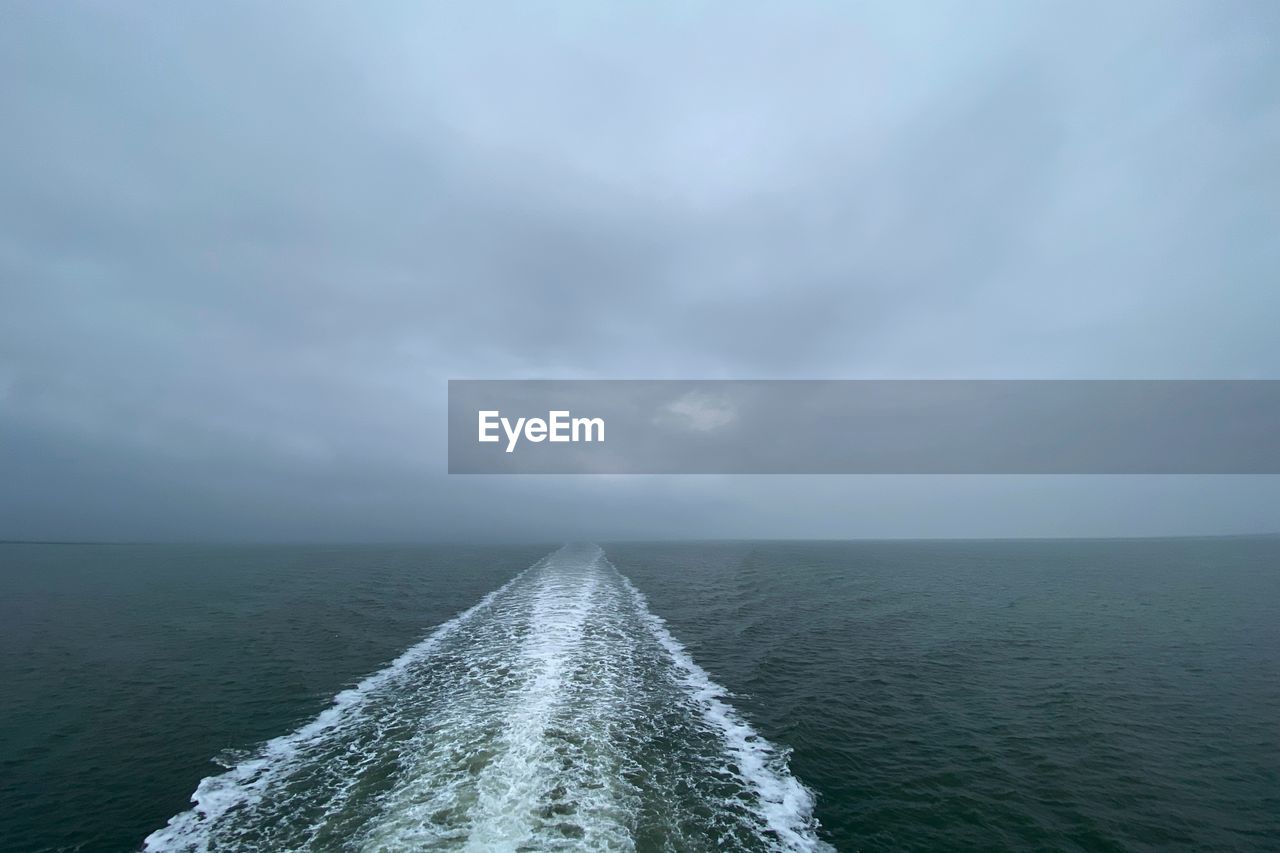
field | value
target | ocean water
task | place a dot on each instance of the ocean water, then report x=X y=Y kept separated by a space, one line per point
x=1002 y=695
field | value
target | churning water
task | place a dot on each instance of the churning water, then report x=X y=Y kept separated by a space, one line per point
x=557 y=713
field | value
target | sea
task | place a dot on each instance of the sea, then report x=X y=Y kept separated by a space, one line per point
x=1080 y=695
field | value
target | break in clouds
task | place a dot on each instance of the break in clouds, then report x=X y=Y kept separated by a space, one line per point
x=243 y=246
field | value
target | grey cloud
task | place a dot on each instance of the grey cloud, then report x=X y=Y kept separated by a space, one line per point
x=242 y=245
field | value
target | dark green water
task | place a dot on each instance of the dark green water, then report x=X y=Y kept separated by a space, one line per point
x=1085 y=695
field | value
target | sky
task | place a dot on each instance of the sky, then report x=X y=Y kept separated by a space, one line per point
x=243 y=246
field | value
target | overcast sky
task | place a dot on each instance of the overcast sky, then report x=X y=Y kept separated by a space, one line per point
x=243 y=246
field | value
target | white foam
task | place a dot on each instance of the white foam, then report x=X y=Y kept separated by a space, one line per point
x=783 y=803
x=525 y=722
x=511 y=786
x=495 y=769
x=243 y=784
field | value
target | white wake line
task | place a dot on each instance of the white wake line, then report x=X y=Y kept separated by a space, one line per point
x=508 y=784
x=216 y=795
x=785 y=804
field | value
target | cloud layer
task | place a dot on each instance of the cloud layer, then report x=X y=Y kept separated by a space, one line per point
x=242 y=247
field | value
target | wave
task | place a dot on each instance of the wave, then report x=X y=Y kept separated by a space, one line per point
x=557 y=713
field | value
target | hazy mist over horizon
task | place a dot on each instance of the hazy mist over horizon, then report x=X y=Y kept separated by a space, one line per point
x=244 y=246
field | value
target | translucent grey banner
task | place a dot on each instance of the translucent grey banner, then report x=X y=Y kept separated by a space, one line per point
x=864 y=427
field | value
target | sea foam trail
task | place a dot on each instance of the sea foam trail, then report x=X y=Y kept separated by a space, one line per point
x=785 y=805
x=558 y=713
x=244 y=784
